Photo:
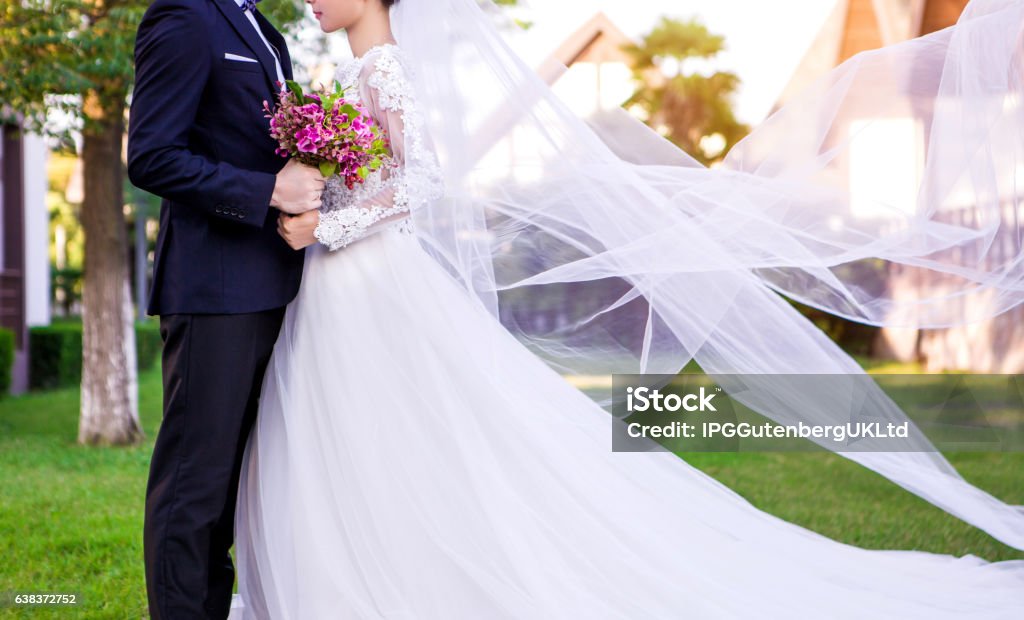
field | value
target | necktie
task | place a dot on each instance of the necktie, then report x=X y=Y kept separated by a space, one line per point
x=249 y=5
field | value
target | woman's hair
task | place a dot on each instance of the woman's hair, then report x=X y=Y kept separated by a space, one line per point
x=389 y=3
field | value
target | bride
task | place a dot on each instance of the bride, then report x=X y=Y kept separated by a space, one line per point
x=419 y=455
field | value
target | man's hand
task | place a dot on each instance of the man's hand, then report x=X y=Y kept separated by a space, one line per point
x=298 y=188
x=297 y=230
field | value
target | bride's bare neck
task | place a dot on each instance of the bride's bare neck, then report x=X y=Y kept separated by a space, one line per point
x=374 y=28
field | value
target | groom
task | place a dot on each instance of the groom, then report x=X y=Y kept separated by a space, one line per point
x=199 y=139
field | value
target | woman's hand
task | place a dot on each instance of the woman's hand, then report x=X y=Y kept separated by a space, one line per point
x=297 y=230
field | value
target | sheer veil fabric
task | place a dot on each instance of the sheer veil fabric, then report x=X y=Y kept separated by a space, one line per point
x=606 y=249
x=411 y=458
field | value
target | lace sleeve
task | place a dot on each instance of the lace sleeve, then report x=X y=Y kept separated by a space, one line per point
x=413 y=177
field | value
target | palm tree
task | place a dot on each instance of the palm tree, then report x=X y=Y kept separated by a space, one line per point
x=692 y=109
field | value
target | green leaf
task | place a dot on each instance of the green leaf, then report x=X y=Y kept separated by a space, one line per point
x=328 y=102
x=363 y=172
x=296 y=89
x=328 y=168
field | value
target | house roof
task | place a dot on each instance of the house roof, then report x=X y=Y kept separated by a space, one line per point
x=597 y=40
x=858 y=25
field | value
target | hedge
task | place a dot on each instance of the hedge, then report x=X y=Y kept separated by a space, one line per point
x=55 y=352
x=148 y=343
x=6 y=359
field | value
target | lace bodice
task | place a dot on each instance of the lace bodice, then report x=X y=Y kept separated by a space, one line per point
x=382 y=82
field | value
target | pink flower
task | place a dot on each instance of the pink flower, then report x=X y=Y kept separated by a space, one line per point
x=307 y=140
x=352 y=141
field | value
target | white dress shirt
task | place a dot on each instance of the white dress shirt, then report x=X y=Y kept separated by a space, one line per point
x=270 y=48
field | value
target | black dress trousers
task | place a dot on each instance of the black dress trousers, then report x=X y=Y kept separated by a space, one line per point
x=213 y=366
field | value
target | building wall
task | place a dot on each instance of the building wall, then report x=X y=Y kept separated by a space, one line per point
x=24 y=242
x=994 y=346
x=939 y=14
x=862 y=32
x=37 y=232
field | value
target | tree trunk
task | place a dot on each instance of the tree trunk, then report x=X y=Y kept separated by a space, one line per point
x=109 y=413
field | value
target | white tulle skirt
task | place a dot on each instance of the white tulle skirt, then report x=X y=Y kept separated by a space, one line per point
x=413 y=460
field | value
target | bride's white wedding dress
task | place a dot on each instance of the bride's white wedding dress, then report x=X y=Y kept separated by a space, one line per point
x=412 y=459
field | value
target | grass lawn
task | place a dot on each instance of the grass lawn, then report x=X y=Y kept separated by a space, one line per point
x=71 y=517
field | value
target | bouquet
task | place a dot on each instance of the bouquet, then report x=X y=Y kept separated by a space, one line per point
x=325 y=130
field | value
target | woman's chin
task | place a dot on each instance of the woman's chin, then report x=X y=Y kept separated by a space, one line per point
x=325 y=24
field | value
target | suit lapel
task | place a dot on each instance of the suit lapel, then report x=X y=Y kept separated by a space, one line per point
x=277 y=41
x=236 y=17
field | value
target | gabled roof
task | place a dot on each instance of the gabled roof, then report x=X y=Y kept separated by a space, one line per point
x=858 y=25
x=598 y=40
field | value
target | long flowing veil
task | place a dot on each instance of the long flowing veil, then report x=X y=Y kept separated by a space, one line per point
x=606 y=249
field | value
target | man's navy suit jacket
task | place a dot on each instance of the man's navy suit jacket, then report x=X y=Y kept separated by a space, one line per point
x=198 y=137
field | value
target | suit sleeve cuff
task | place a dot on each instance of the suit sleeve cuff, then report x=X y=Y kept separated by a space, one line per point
x=252 y=206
